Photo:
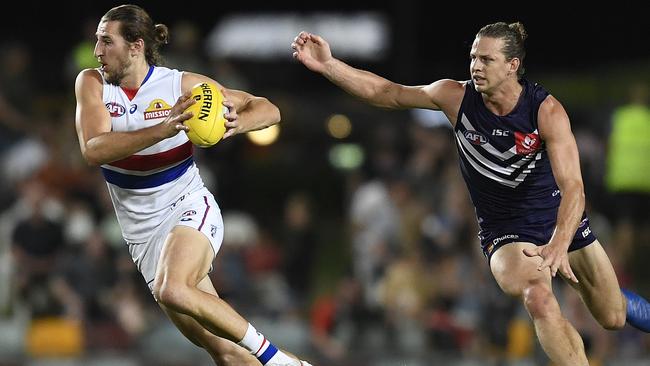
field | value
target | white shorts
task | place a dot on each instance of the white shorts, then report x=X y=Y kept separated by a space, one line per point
x=198 y=210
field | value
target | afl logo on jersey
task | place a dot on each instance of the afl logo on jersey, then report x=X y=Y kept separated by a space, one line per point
x=115 y=109
x=476 y=138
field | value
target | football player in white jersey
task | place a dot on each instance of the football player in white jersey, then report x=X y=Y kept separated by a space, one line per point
x=522 y=268
x=129 y=120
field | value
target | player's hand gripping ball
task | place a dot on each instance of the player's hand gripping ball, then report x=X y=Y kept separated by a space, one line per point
x=207 y=124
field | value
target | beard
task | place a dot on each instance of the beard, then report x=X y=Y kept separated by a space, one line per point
x=115 y=77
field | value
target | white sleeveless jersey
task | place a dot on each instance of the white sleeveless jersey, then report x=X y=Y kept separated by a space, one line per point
x=145 y=185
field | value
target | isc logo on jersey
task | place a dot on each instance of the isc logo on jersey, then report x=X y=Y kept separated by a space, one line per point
x=476 y=138
x=115 y=109
x=158 y=108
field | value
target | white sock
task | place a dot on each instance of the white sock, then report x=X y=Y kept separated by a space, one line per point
x=253 y=340
x=264 y=350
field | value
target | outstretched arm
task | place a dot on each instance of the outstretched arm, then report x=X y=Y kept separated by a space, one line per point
x=314 y=52
x=555 y=131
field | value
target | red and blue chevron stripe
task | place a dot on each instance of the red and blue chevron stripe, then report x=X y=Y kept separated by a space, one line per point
x=147 y=171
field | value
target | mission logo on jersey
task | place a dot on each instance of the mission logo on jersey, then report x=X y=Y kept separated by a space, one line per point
x=158 y=108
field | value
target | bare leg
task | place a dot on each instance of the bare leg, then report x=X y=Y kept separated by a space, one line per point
x=183 y=264
x=517 y=275
x=598 y=285
x=185 y=260
x=222 y=351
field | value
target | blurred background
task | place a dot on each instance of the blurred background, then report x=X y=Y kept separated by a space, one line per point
x=349 y=235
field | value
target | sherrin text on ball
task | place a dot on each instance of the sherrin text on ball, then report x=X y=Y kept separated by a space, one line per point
x=207 y=124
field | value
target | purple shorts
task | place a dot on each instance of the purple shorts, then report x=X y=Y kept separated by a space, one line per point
x=538 y=233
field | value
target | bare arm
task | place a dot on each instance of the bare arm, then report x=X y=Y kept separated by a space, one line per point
x=314 y=52
x=555 y=130
x=375 y=89
x=100 y=145
x=246 y=112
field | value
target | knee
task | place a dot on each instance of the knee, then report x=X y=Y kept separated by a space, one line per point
x=613 y=320
x=540 y=302
x=171 y=294
x=608 y=312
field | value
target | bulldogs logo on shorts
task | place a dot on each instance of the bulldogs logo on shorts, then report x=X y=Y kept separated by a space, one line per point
x=213 y=230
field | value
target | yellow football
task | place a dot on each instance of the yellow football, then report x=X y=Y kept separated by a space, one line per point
x=207 y=124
